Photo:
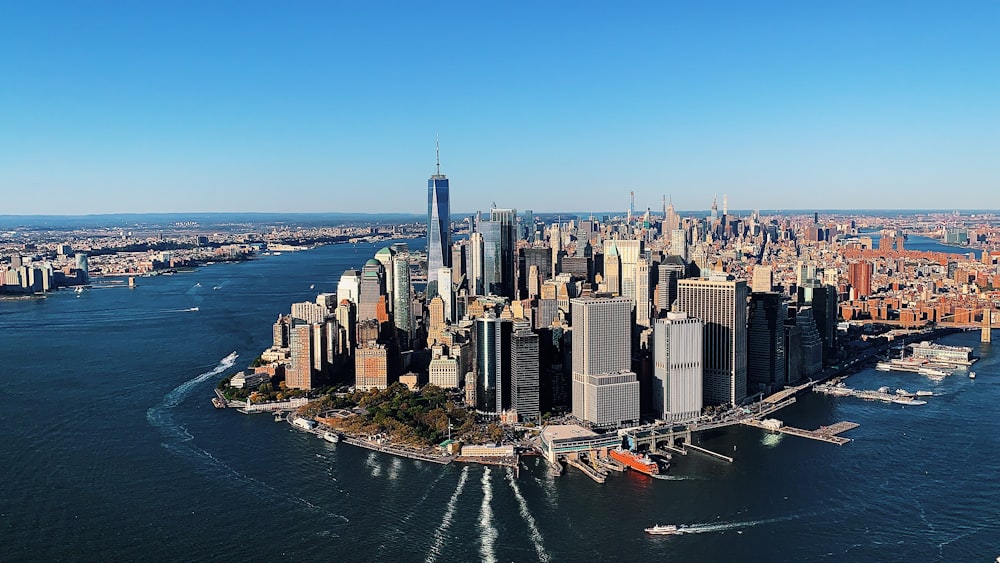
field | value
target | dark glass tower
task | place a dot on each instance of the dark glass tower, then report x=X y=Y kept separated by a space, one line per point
x=438 y=227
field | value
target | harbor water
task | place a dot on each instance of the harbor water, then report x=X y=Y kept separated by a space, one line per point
x=113 y=451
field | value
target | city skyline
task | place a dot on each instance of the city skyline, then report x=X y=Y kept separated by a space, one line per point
x=781 y=106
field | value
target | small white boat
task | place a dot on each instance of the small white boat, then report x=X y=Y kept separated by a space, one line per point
x=972 y=375
x=924 y=393
x=663 y=530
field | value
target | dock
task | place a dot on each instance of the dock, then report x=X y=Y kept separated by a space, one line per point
x=588 y=470
x=868 y=395
x=823 y=433
x=397 y=451
x=716 y=455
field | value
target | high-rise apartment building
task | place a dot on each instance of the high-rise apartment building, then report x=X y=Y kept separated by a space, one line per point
x=371 y=367
x=859 y=275
x=677 y=367
x=299 y=374
x=721 y=304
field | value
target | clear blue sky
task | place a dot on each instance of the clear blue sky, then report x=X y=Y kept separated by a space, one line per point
x=325 y=106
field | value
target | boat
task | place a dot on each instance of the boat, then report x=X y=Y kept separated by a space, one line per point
x=908 y=401
x=331 y=437
x=663 y=530
x=972 y=375
x=218 y=403
x=634 y=460
x=933 y=372
x=883 y=389
x=924 y=393
x=279 y=417
x=903 y=393
x=883 y=366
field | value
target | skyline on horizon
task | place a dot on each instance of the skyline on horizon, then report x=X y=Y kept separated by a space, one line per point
x=276 y=110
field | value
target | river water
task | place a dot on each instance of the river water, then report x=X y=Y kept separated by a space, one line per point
x=113 y=451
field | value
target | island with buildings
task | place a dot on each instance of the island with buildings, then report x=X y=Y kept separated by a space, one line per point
x=611 y=341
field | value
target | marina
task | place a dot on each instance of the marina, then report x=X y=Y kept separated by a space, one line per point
x=880 y=394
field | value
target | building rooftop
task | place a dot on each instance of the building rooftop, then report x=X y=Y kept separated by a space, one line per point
x=565 y=432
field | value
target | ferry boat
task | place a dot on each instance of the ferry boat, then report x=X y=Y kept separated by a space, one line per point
x=637 y=461
x=663 y=530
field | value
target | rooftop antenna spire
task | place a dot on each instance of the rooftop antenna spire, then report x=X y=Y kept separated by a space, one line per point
x=437 y=144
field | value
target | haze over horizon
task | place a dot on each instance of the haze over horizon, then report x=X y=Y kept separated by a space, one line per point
x=335 y=107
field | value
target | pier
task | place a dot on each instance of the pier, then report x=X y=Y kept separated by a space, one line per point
x=587 y=470
x=823 y=433
x=707 y=452
x=868 y=395
x=397 y=450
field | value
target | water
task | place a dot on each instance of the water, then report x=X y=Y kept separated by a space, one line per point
x=927 y=244
x=112 y=450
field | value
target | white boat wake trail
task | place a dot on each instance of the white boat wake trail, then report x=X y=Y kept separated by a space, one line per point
x=536 y=536
x=449 y=513
x=160 y=416
x=176 y=436
x=487 y=531
x=725 y=526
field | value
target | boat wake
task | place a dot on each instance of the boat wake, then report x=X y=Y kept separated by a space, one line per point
x=188 y=310
x=449 y=514
x=160 y=415
x=728 y=526
x=177 y=438
x=488 y=533
x=536 y=536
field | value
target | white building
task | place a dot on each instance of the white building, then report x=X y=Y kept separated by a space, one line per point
x=677 y=367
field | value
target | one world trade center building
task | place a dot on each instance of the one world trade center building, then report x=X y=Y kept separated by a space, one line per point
x=438 y=227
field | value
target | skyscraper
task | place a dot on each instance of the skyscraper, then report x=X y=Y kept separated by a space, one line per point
x=349 y=287
x=300 y=372
x=401 y=290
x=671 y=270
x=766 y=363
x=524 y=374
x=476 y=264
x=859 y=275
x=438 y=225
x=605 y=390
x=720 y=303
x=677 y=367
x=372 y=289
x=493 y=363
x=499 y=245
x=678 y=244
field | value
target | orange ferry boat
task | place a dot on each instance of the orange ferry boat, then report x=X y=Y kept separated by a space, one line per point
x=637 y=461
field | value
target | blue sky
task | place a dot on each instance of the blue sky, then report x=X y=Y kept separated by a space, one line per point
x=334 y=106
